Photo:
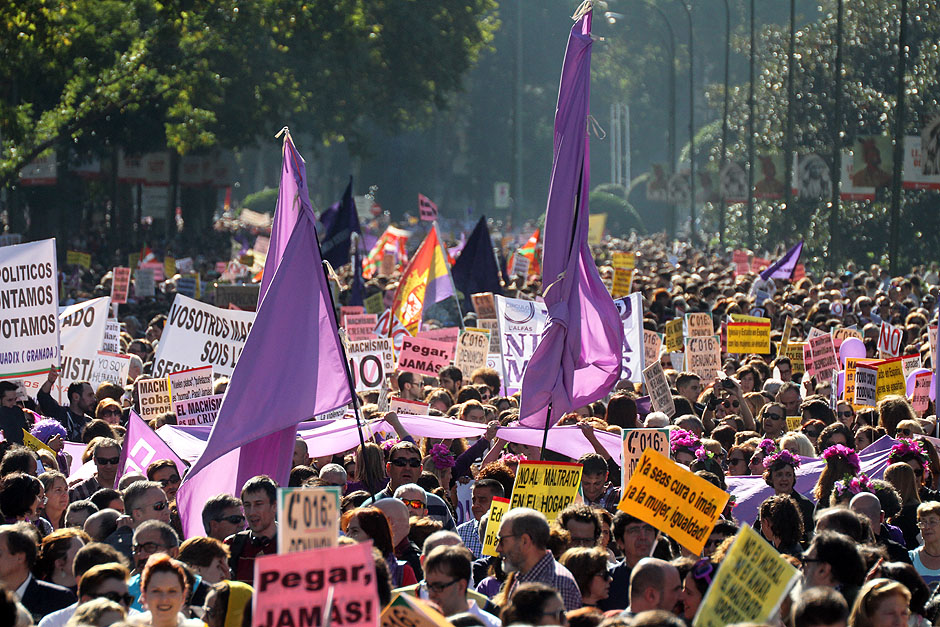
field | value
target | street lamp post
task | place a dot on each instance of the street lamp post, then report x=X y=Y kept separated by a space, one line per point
x=693 y=238
x=724 y=124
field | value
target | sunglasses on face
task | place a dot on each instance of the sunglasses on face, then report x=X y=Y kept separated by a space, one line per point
x=108 y=461
x=772 y=416
x=906 y=432
x=846 y=414
x=414 y=503
x=121 y=599
x=175 y=479
x=736 y=460
x=401 y=462
x=148 y=547
x=111 y=412
x=812 y=434
x=727 y=404
x=157 y=507
x=235 y=519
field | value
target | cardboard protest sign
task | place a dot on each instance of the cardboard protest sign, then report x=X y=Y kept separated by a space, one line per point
x=652 y=346
x=109 y=367
x=426 y=208
x=373 y=304
x=824 y=355
x=910 y=363
x=29 y=313
x=412 y=408
x=382 y=345
x=424 y=356
x=749 y=586
x=31 y=441
x=112 y=336
x=742 y=264
x=623 y=282
x=75 y=258
x=890 y=378
x=866 y=385
x=498 y=507
x=472 y=348
x=794 y=423
x=308 y=518
x=674 y=336
x=657 y=387
x=350 y=310
x=623 y=261
x=154 y=397
x=197 y=334
x=749 y=337
x=192 y=383
x=293 y=588
x=493 y=327
x=703 y=357
x=447 y=334
x=932 y=340
x=785 y=337
x=548 y=487
x=520 y=266
x=484 y=305
x=699 y=325
x=120 y=282
x=144 y=283
x=245 y=297
x=674 y=500
x=889 y=340
x=794 y=351
x=360 y=319
x=367 y=368
x=406 y=610
x=189 y=285
x=842 y=334
x=520 y=327
x=921 y=393
x=358 y=332
x=635 y=442
x=596 y=224
x=157 y=268
x=200 y=410
x=631 y=314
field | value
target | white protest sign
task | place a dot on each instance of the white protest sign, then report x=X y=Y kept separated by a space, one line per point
x=112 y=336
x=910 y=363
x=472 y=348
x=308 y=518
x=630 y=309
x=82 y=328
x=154 y=397
x=657 y=386
x=491 y=325
x=520 y=326
x=520 y=265
x=144 y=283
x=192 y=383
x=889 y=340
x=866 y=384
x=703 y=357
x=398 y=331
x=368 y=369
x=652 y=346
x=29 y=313
x=197 y=334
x=382 y=345
x=200 y=410
x=411 y=408
x=109 y=367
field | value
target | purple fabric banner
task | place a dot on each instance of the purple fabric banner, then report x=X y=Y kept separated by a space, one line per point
x=142 y=447
x=784 y=267
x=577 y=360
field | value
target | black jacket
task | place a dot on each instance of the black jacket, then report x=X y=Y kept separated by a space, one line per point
x=41 y=598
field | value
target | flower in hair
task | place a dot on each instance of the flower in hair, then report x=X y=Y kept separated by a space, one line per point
x=840 y=450
x=510 y=458
x=682 y=440
x=389 y=443
x=47 y=428
x=782 y=457
x=702 y=453
x=767 y=446
x=852 y=485
x=907 y=448
x=442 y=457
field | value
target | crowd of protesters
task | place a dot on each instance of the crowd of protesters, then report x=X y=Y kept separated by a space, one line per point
x=101 y=552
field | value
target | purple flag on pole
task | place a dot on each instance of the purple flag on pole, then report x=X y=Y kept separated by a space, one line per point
x=577 y=360
x=142 y=447
x=784 y=267
x=290 y=370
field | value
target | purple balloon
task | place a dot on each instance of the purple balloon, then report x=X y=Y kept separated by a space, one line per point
x=851 y=347
x=909 y=383
x=842 y=384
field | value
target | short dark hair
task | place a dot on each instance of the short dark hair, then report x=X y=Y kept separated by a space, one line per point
x=22 y=538
x=200 y=551
x=489 y=484
x=18 y=492
x=451 y=372
x=411 y=447
x=784 y=517
x=102 y=498
x=96 y=575
x=167 y=534
x=214 y=507
x=95 y=553
x=77 y=387
x=820 y=605
x=7 y=386
x=16 y=459
x=593 y=464
x=621 y=520
x=405 y=377
x=261 y=483
x=841 y=553
x=583 y=514
x=160 y=464
x=135 y=491
x=453 y=560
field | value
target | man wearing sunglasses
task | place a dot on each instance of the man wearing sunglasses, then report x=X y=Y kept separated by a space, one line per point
x=143 y=501
x=106 y=453
x=222 y=516
x=404 y=466
x=446 y=577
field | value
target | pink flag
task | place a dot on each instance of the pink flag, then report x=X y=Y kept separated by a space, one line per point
x=426 y=208
x=142 y=447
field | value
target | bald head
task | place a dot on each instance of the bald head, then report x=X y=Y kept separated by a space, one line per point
x=868 y=505
x=102 y=524
x=654 y=585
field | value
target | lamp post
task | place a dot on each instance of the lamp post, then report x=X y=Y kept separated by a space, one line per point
x=693 y=238
x=724 y=124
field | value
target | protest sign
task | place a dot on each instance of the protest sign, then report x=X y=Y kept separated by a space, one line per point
x=635 y=442
x=703 y=357
x=652 y=346
x=424 y=356
x=75 y=258
x=794 y=423
x=889 y=340
x=548 y=487
x=750 y=584
x=120 y=282
x=520 y=265
x=410 y=408
x=910 y=363
x=31 y=441
x=346 y=311
x=188 y=285
x=674 y=336
x=407 y=610
x=921 y=393
x=426 y=208
x=192 y=383
x=842 y=334
x=749 y=337
x=245 y=297
x=29 y=313
x=472 y=349
x=742 y=264
x=794 y=351
x=154 y=397
x=197 y=334
x=824 y=355
x=866 y=385
x=200 y=410
x=373 y=304
x=631 y=315
x=294 y=588
x=382 y=345
x=308 y=518
x=109 y=367
x=484 y=304
x=596 y=224
x=498 y=507
x=169 y=266
x=367 y=368
x=184 y=264
x=850 y=366
x=678 y=361
x=360 y=319
x=657 y=388
x=112 y=336
x=623 y=282
x=493 y=327
x=890 y=378
x=699 y=325
x=447 y=334
x=520 y=327
x=785 y=337
x=157 y=268
x=674 y=500
x=623 y=261
x=144 y=283
x=82 y=328
x=932 y=340
x=358 y=332
x=397 y=333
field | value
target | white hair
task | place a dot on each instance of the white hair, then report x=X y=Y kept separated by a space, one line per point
x=656 y=419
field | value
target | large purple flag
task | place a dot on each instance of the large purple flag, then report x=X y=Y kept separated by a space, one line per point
x=784 y=267
x=290 y=370
x=142 y=447
x=577 y=360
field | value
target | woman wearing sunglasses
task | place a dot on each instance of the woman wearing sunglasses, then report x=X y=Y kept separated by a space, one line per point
x=589 y=567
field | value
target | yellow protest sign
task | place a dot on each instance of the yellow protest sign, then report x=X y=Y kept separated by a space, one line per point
x=596 y=224
x=548 y=487
x=674 y=336
x=749 y=337
x=132 y=260
x=794 y=350
x=35 y=443
x=623 y=261
x=785 y=338
x=169 y=267
x=674 y=500
x=890 y=378
x=623 y=281
x=742 y=318
x=749 y=586
x=498 y=507
x=794 y=423
x=75 y=258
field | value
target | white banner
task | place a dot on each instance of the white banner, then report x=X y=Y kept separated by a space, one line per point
x=82 y=328
x=197 y=334
x=29 y=313
x=520 y=326
x=197 y=411
x=630 y=309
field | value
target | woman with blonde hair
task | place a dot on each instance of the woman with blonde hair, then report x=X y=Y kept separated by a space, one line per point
x=881 y=603
x=798 y=444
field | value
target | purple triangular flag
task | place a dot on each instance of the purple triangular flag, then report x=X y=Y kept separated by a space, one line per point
x=577 y=360
x=142 y=446
x=784 y=267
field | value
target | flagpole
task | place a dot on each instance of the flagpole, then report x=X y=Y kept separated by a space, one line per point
x=548 y=421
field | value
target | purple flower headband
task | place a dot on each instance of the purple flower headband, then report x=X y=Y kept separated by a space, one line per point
x=702 y=453
x=907 y=447
x=682 y=440
x=389 y=443
x=510 y=458
x=852 y=485
x=839 y=450
x=767 y=446
x=442 y=457
x=782 y=457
